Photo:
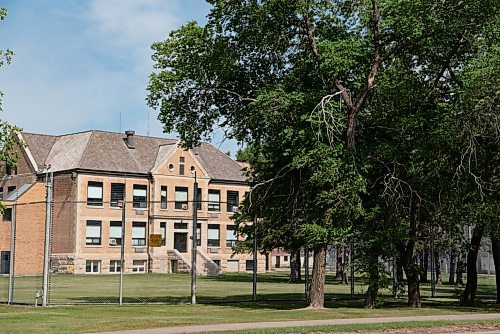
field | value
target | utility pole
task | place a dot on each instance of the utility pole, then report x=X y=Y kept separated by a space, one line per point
x=254 y=278
x=122 y=246
x=12 y=254
x=49 y=177
x=194 y=245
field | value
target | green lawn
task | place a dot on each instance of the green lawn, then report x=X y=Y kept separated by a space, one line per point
x=175 y=288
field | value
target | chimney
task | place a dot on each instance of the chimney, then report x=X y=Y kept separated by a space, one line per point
x=130 y=138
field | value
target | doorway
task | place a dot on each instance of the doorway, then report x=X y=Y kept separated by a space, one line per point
x=180 y=242
x=5 y=263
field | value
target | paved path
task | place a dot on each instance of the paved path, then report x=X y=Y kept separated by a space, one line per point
x=304 y=323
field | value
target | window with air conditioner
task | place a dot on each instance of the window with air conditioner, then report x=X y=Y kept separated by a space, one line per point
x=181 y=198
x=115 y=233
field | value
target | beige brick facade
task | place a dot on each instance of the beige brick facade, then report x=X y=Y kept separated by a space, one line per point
x=82 y=240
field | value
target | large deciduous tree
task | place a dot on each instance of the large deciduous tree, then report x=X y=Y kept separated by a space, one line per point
x=298 y=81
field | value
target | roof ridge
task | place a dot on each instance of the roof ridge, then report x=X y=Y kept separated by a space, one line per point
x=85 y=149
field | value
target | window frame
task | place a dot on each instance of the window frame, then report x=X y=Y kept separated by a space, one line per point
x=180 y=203
x=136 y=268
x=139 y=242
x=163 y=197
x=115 y=223
x=116 y=267
x=113 y=199
x=139 y=202
x=213 y=242
x=231 y=242
x=90 y=264
x=213 y=205
x=232 y=206
x=95 y=241
x=95 y=201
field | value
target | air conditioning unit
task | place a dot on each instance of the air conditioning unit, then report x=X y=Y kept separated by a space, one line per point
x=184 y=206
x=112 y=242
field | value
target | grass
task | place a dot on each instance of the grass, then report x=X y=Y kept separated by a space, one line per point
x=226 y=297
x=361 y=327
x=175 y=288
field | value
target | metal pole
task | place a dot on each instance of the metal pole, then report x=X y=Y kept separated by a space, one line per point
x=12 y=254
x=194 y=245
x=306 y=273
x=433 y=267
x=122 y=249
x=254 y=278
x=48 y=225
x=352 y=269
x=394 y=278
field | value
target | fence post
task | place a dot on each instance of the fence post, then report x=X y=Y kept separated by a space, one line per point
x=122 y=249
x=254 y=278
x=12 y=254
x=48 y=224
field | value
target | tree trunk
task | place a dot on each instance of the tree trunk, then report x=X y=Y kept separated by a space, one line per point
x=425 y=266
x=295 y=266
x=411 y=268
x=317 y=287
x=495 y=245
x=460 y=270
x=437 y=266
x=469 y=295
x=399 y=269
x=451 y=278
x=373 y=284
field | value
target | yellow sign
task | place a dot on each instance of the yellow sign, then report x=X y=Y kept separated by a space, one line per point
x=155 y=240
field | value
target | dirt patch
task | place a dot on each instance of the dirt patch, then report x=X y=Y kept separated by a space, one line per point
x=472 y=328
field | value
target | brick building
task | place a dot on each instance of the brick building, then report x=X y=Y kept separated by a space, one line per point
x=94 y=172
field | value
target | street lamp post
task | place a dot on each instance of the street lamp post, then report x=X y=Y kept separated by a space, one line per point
x=193 y=236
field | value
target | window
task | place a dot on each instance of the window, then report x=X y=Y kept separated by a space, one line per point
x=213 y=200
x=93 y=233
x=163 y=197
x=10 y=189
x=115 y=233
x=180 y=226
x=139 y=266
x=199 y=198
x=114 y=266
x=117 y=193
x=249 y=265
x=213 y=237
x=1 y=193
x=232 y=201
x=140 y=196
x=217 y=262
x=94 y=193
x=7 y=214
x=163 y=232
x=181 y=198
x=182 y=160
x=231 y=235
x=138 y=234
x=198 y=234
x=92 y=266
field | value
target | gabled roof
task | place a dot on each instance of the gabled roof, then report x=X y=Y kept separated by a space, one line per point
x=107 y=151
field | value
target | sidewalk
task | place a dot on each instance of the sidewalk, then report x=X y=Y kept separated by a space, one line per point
x=257 y=325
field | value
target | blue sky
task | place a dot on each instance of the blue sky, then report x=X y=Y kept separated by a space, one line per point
x=78 y=64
